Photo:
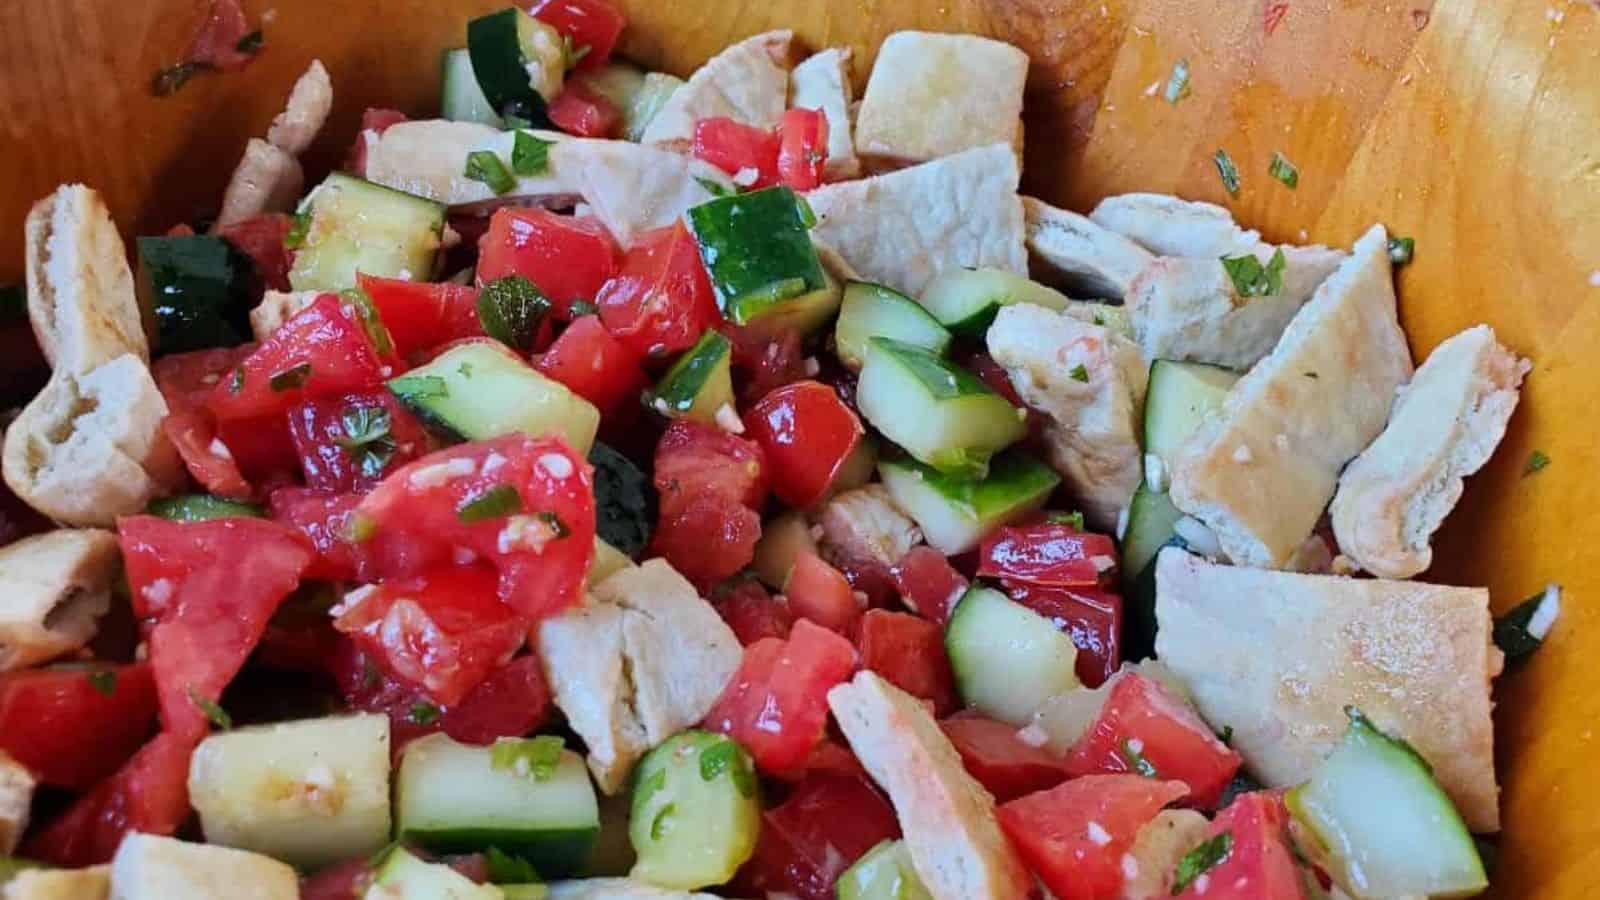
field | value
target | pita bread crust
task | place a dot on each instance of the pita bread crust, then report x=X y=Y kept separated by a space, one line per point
x=1171 y=226
x=822 y=82
x=93 y=883
x=81 y=298
x=932 y=94
x=1072 y=249
x=267 y=179
x=748 y=82
x=53 y=589
x=1279 y=655
x=303 y=116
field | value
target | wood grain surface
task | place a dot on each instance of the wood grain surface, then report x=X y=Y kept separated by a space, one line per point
x=1473 y=125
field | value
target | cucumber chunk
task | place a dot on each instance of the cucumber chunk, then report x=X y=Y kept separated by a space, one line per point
x=618 y=82
x=194 y=292
x=1007 y=659
x=956 y=512
x=403 y=876
x=966 y=300
x=1180 y=396
x=461 y=99
x=941 y=414
x=520 y=63
x=452 y=797
x=758 y=251
x=478 y=390
x=625 y=501
x=696 y=812
x=658 y=88
x=883 y=873
x=1388 y=826
x=872 y=310
x=782 y=541
x=700 y=384
x=805 y=314
x=203 y=508
x=357 y=226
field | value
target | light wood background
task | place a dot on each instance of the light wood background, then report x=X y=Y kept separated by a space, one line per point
x=1473 y=125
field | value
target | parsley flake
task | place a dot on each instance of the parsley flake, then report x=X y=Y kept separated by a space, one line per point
x=1251 y=279
x=511 y=310
x=1284 y=170
x=1201 y=860
x=291 y=378
x=714 y=188
x=530 y=155
x=215 y=714
x=1537 y=460
x=500 y=500
x=1079 y=373
x=1228 y=171
x=485 y=166
x=659 y=825
x=423 y=713
x=104 y=681
x=1073 y=519
x=1136 y=761
x=1401 y=249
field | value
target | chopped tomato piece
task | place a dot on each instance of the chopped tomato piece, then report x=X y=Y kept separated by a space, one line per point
x=776 y=704
x=827 y=758
x=767 y=361
x=444 y=630
x=808 y=434
x=1090 y=616
x=736 y=148
x=928 y=583
x=260 y=237
x=710 y=483
x=74 y=726
x=593 y=26
x=581 y=111
x=1143 y=728
x=660 y=300
x=754 y=614
x=422 y=315
x=348 y=880
x=216 y=43
x=186 y=380
x=807 y=842
x=1046 y=554
x=376 y=121
x=1259 y=864
x=908 y=651
x=803 y=148
x=149 y=794
x=326 y=520
x=709 y=539
x=322 y=350
x=1002 y=762
x=821 y=593
x=596 y=366
x=511 y=702
x=994 y=375
x=349 y=443
x=566 y=257
x=524 y=505
x=1073 y=836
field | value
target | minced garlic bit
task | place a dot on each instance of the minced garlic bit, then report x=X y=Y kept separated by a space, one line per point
x=441 y=473
x=218 y=448
x=746 y=177
x=1242 y=454
x=556 y=464
x=1130 y=867
x=1098 y=834
x=728 y=420
x=1033 y=735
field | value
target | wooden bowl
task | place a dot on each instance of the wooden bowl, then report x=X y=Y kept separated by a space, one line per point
x=1473 y=125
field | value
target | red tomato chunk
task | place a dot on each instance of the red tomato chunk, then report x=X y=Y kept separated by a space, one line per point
x=807 y=433
x=349 y=443
x=1001 y=761
x=566 y=258
x=660 y=301
x=754 y=614
x=261 y=238
x=821 y=593
x=908 y=651
x=327 y=521
x=828 y=823
x=581 y=111
x=593 y=25
x=1045 y=554
x=928 y=583
x=323 y=350
x=420 y=315
x=74 y=726
x=595 y=365
x=710 y=483
x=735 y=147
x=1259 y=864
x=803 y=148
x=186 y=381
x=149 y=794
x=1090 y=616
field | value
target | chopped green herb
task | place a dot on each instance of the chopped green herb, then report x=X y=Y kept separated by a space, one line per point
x=423 y=713
x=1522 y=630
x=507 y=869
x=1226 y=736
x=580 y=308
x=1074 y=519
x=1401 y=249
x=1079 y=373
x=530 y=155
x=536 y=757
x=1311 y=375
x=558 y=527
x=1100 y=319
x=1228 y=171
x=500 y=500
x=104 y=681
x=808 y=216
x=251 y=42
x=1537 y=460
x=1251 y=279
x=360 y=528
x=367 y=439
x=464 y=370
x=715 y=188
x=515 y=122
x=291 y=378
x=371 y=320
x=1135 y=759
x=169 y=80
x=215 y=714
x=299 y=225
x=1178 y=82
x=485 y=166
x=658 y=825
x=1201 y=860
x=1284 y=171
x=511 y=309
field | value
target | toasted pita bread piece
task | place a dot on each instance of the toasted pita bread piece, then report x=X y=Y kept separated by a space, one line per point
x=748 y=82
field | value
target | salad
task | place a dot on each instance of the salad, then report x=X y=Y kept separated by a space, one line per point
x=622 y=486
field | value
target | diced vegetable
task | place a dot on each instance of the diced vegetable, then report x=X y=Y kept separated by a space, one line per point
x=782 y=541
x=661 y=300
x=585 y=113
x=520 y=62
x=349 y=442
x=1180 y=397
x=758 y=250
x=637 y=116
x=618 y=82
x=1047 y=554
x=819 y=592
x=993 y=753
x=827 y=823
x=568 y=258
x=195 y=290
x=1090 y=616
x=461 y=99
x=808 y=434
x=956 y=513
x=966 y=300
x=743 y=151
x=710 y=483
x=1007 y=658
x=454 y=797
x=596 y=366
x=309 y=793
x=421 y=315
x=1389 y=827
x=908 y=651
x=803 y=148
x=1246 y=855
x=478 y=389
x=357 y=226
x=872 y=310
x=403 y=876
x=591 y=28
x=200 y=507
x=942 y=415
x=146 y=795
x=74 y=725
x=699 y=385
x=884 y=873
x=696 y=812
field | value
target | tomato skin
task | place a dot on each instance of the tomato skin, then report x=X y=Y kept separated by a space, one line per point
x=807 y=842
x=260 y=237
x=807 y=433
x=708 y=540
x=1090 y=616
x=710 y=484
x=348 y=880
x=660 y=300
x=754 y=614
x=595 y=24
x=541 y=552
x=319 y=433
x=323 y=336
x=325 y=520
x=422 y=315
x=377 y=121
x=776 y=704
x=821 y=593
x=908 y=651
x=186 y=381
x=803 y=148
x=1046 y=554
x=68 y=732
x=1051 y=830
x=928 y=583
x=444 y=630
x=1170 y=736
x=149 y=794
x=992 y=753
x=1260 y=865
x=581 y=111
x=566 y=258
x=596 y=366
x=734 y=147
x=767 y=361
